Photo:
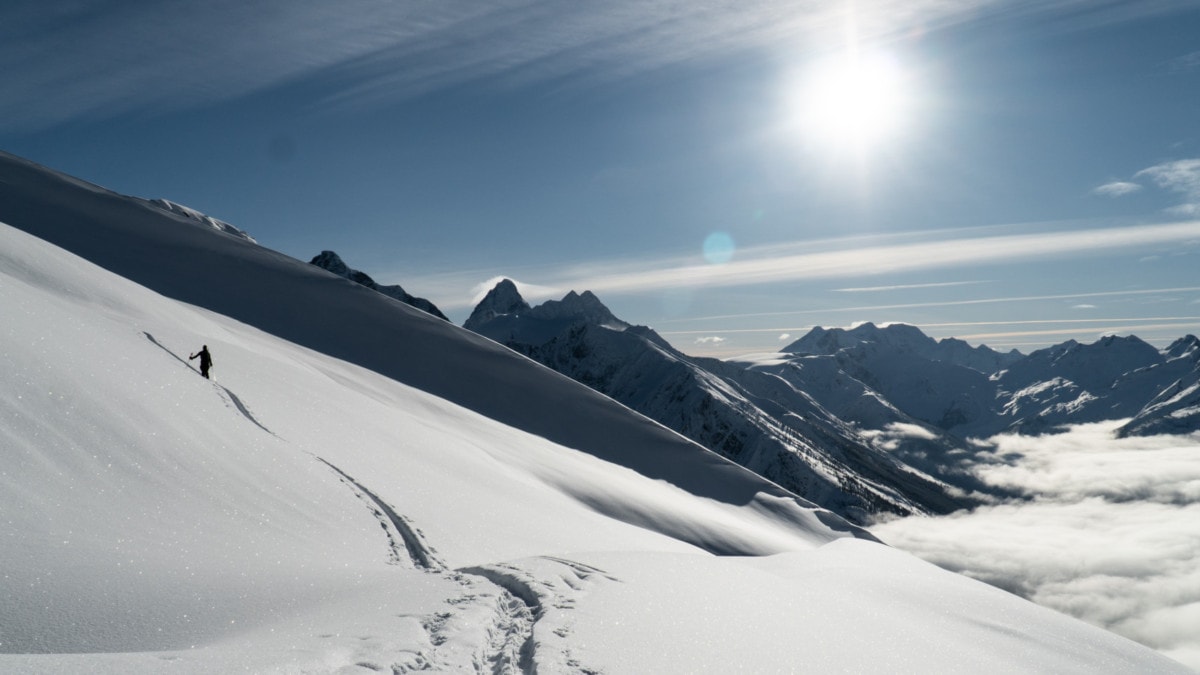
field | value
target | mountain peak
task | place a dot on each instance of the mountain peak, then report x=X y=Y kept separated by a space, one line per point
x=579 y=306
x=901 y=339
x=828 y=341
x=332 y=262
x=503 y=299
x=1186 y=346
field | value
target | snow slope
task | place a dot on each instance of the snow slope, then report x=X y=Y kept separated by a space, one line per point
x=148 y=509
x=302 y=513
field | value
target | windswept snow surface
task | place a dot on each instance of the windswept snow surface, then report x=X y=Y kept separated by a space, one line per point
x=301 y=513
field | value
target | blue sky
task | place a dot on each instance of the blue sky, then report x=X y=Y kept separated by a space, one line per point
x=730 y=173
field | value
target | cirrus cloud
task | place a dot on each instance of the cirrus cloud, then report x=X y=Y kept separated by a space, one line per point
x=1180 y=176
x=66 y=61
x=1118 y=188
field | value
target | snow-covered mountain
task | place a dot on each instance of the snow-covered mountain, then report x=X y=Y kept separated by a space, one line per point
x=1175 y=409
x=902 y=339
x=380 y=491
x=931 y=383
x=750 y=416
x=330 y=261
x=981 y=392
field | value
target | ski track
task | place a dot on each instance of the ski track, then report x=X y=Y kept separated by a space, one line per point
x=491 y=626
x=511 y=618
x=226 y=395
x=402 y=536
x=548 y=587
x=504 y=644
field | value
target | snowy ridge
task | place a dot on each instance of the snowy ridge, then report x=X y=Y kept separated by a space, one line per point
x=193 y=214
x=902 y=339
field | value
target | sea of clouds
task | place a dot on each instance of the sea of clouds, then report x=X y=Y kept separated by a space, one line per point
x=1108 y=531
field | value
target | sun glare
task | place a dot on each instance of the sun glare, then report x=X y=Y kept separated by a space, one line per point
x=853 y=101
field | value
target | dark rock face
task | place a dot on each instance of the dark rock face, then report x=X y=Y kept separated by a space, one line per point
x=330 y=261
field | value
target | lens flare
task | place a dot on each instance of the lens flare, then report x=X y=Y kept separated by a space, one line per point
x=719 y=248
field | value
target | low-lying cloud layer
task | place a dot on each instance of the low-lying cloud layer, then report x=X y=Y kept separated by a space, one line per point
x=1110 y=532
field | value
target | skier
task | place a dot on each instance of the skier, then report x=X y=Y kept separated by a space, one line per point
x=205 y=360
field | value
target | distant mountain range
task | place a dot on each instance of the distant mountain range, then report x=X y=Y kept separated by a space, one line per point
x=980 y=392
x=862 y=421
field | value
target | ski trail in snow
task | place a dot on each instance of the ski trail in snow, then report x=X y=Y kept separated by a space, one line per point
x=402 y=536
x=241 y=407
x=223 y=391
x=163 y=347
x=548 y=588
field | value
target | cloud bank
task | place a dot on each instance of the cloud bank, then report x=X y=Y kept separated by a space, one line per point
x=1108 y=534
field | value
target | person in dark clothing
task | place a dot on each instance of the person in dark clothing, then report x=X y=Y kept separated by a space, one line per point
x=205 y=360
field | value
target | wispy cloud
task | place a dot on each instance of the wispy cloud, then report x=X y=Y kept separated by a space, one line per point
x=797 y=261
x=1118 y=188
x=530 y=292
x=1108 y=533
x=95 y=57
x=906 y=287
x=1180 y=176
x=1117 y=327
x=1186 y=62
x=793 y=262
x=834 y=260
x=710 y=340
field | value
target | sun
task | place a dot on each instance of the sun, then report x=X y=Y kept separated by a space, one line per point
x=854 y=101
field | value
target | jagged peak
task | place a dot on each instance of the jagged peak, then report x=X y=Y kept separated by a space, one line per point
x=820 y=340
x=580 y=306
x=1186 y=346
x=505 y=293
x=332 y=262
x=504 y=298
